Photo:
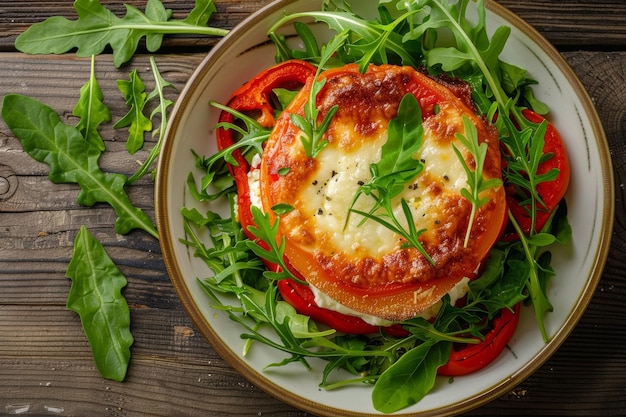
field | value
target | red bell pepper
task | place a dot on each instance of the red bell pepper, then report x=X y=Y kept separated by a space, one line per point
x=254 y=98
x=551 y=192
x=472 y=357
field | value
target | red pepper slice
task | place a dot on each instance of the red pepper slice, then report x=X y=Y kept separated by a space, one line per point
x=470 y=358
x=254 y=98
x=551 y=192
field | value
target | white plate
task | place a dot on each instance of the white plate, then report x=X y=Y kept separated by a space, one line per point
x=246 y=51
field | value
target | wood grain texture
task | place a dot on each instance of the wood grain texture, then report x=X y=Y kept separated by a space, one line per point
x=571 y=24
x=45 y=362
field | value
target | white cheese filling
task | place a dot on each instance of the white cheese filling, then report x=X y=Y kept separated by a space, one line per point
x=324 y=301
x=254 y=184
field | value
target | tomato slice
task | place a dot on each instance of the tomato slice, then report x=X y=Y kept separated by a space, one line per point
x=396 y=283
x=551 y=192
x=472 y=357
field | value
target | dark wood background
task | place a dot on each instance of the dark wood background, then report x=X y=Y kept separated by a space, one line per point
x=45 y=362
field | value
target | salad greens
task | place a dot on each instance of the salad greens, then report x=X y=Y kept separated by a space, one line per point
x=401 y=369
x=97 y=27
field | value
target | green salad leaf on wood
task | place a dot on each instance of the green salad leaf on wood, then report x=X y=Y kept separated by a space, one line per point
x=97 y=27
x=96 y=295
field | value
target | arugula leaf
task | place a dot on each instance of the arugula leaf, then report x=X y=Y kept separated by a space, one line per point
x=396 y=168
x=271 y=250
x=524 y=155
x=475 y=180
x=537 y=276
x=97 y=27
x=312 y=132
x=161 y=109
x=91 y=110
x=95 y=294
x=71 y=159
x=369 y=39
x=251 y=138
x=411 y=377
x=134 y=92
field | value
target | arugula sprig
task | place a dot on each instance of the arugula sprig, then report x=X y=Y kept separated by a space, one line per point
x=215 y=181
x=251 y=136
x=475 y=180
x=97 y=27
x=369 y=41
x=134 y=92
x=313 y=131
x=163 y=104
x=396 y=168
x=270 y=247
x=91 y=110
x=524 y=154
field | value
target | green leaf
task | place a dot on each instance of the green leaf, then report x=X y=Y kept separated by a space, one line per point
x=475 y=180
x=396 y=168
x=161 y=109
x=410 y=378
x=71 y=159
x=157 y=12
x=134 y=92
x=404 y=140
x=95 y=294
x=252 y=137
x=312 y=131
x=397 y=165
x=97 y=27
x=270 y=250
x=369 y=40
x=91 y=110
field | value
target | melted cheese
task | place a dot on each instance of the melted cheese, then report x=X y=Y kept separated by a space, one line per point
x=363 y=265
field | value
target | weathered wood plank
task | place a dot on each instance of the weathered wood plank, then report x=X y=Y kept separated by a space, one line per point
x=16 y=17
x=575 y=24
x=571 y=24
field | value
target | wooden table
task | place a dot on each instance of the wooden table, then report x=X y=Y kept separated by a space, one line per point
x=46 y=366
